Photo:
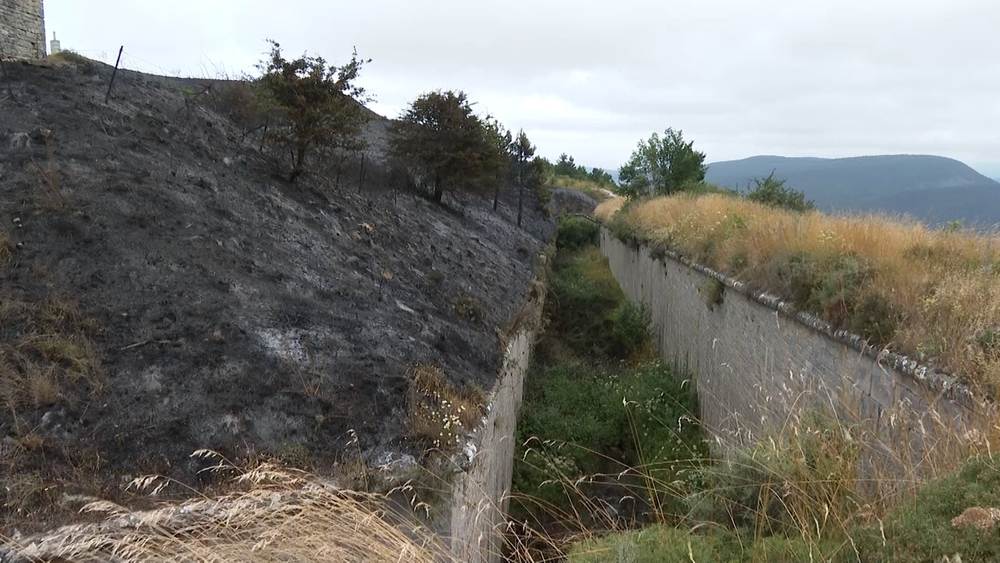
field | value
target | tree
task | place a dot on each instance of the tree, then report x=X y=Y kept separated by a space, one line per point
x=601 y=177
x=566 y=166
x=502 y=142
x=662 y=166
x=521 y=151
x=441 y=138
x=772 y=191
x=320 y=105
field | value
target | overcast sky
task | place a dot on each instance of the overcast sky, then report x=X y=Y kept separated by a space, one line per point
x=591 y=78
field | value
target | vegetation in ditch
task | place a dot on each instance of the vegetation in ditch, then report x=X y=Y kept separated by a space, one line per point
x=929 y=294
x=603 y=419
x=952 y=518
x=824 y=488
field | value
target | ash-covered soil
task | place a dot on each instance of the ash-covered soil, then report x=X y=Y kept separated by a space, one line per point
x=233 y=311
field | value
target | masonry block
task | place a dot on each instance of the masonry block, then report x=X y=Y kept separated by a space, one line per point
x=22 y=29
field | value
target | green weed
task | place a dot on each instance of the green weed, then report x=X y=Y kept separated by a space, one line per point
x=576 y=233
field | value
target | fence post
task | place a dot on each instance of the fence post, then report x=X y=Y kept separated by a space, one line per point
x=361 y=180
x=114 y=74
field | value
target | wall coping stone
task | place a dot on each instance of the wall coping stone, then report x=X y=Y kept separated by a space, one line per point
x=923 y=374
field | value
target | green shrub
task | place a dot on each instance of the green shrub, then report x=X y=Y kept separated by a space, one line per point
x=544 y=195
x=826 y=284
x=586 y=408
x=875 y=319
x=783 y=486
x=713 y=293
x=988 y=338
x=656 y=544
x=921 y=529
x=575 y=423
x=583 y=296
x=629 y=329
x=576 y=233
x=772 y=191
x=321 y=105
x=665 y=544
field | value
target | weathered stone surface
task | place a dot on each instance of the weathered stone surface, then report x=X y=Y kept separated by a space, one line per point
x=758 y=362
x=22 y=29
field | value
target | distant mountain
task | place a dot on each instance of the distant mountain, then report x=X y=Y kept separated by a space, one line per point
x=930 y=188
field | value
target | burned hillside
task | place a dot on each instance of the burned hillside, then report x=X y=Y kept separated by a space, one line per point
x=164 y=290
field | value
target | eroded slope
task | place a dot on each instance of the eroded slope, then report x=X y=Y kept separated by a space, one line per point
x=228 y=309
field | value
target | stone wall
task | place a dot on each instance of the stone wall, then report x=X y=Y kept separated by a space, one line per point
x=757 y=362
x=22 y=29
x=481 y=493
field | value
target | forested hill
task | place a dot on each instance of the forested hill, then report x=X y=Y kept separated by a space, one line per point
x=930 y=188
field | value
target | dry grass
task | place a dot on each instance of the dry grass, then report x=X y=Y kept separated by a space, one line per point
x=48 y=192
x=7 y=247
x=943 y=284
x=276 y=515
x=47 y=361
x=46 y=354
x=607 y=209
x=441 y=415
x=821 y=480
x=589 y=187
x=71 y=58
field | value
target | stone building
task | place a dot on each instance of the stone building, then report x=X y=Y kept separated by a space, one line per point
x=22 y=29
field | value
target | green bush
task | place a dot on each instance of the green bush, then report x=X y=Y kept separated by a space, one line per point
x=544 y=195
x=578 y=421
x=772 y=191
x=665 y=544
x=921 y=529
x=875 y=319
x=583 y=307
x=783 y=486
x=827 y=284
x=576 y=233
x=629 y=330
x=590 y=402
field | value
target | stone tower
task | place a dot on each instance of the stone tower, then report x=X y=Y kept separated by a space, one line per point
x=22 y=29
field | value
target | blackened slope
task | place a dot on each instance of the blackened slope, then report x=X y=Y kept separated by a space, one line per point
x=240 y=313
x=931 y=188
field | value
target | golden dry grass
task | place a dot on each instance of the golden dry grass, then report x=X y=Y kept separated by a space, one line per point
x=278 y=515
x=589 y=187
x=441 y=415
x=46 y=354
x=943 y=283
x=607 y=209
x=7 y=247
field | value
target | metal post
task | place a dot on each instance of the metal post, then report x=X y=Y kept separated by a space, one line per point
x=114 y=74
x=361 y=180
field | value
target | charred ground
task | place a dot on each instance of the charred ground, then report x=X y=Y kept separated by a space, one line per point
x=215 y=305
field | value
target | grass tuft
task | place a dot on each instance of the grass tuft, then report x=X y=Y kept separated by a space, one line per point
x=596 y=190
x=441 y=414
x=276 y=514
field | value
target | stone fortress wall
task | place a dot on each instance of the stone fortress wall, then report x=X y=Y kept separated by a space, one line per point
x=22 y=29
x=758 y=362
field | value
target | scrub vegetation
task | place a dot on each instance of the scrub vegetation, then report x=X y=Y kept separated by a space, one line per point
x=929 y=294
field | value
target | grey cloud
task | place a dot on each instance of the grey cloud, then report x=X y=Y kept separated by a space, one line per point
x=592 y=78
